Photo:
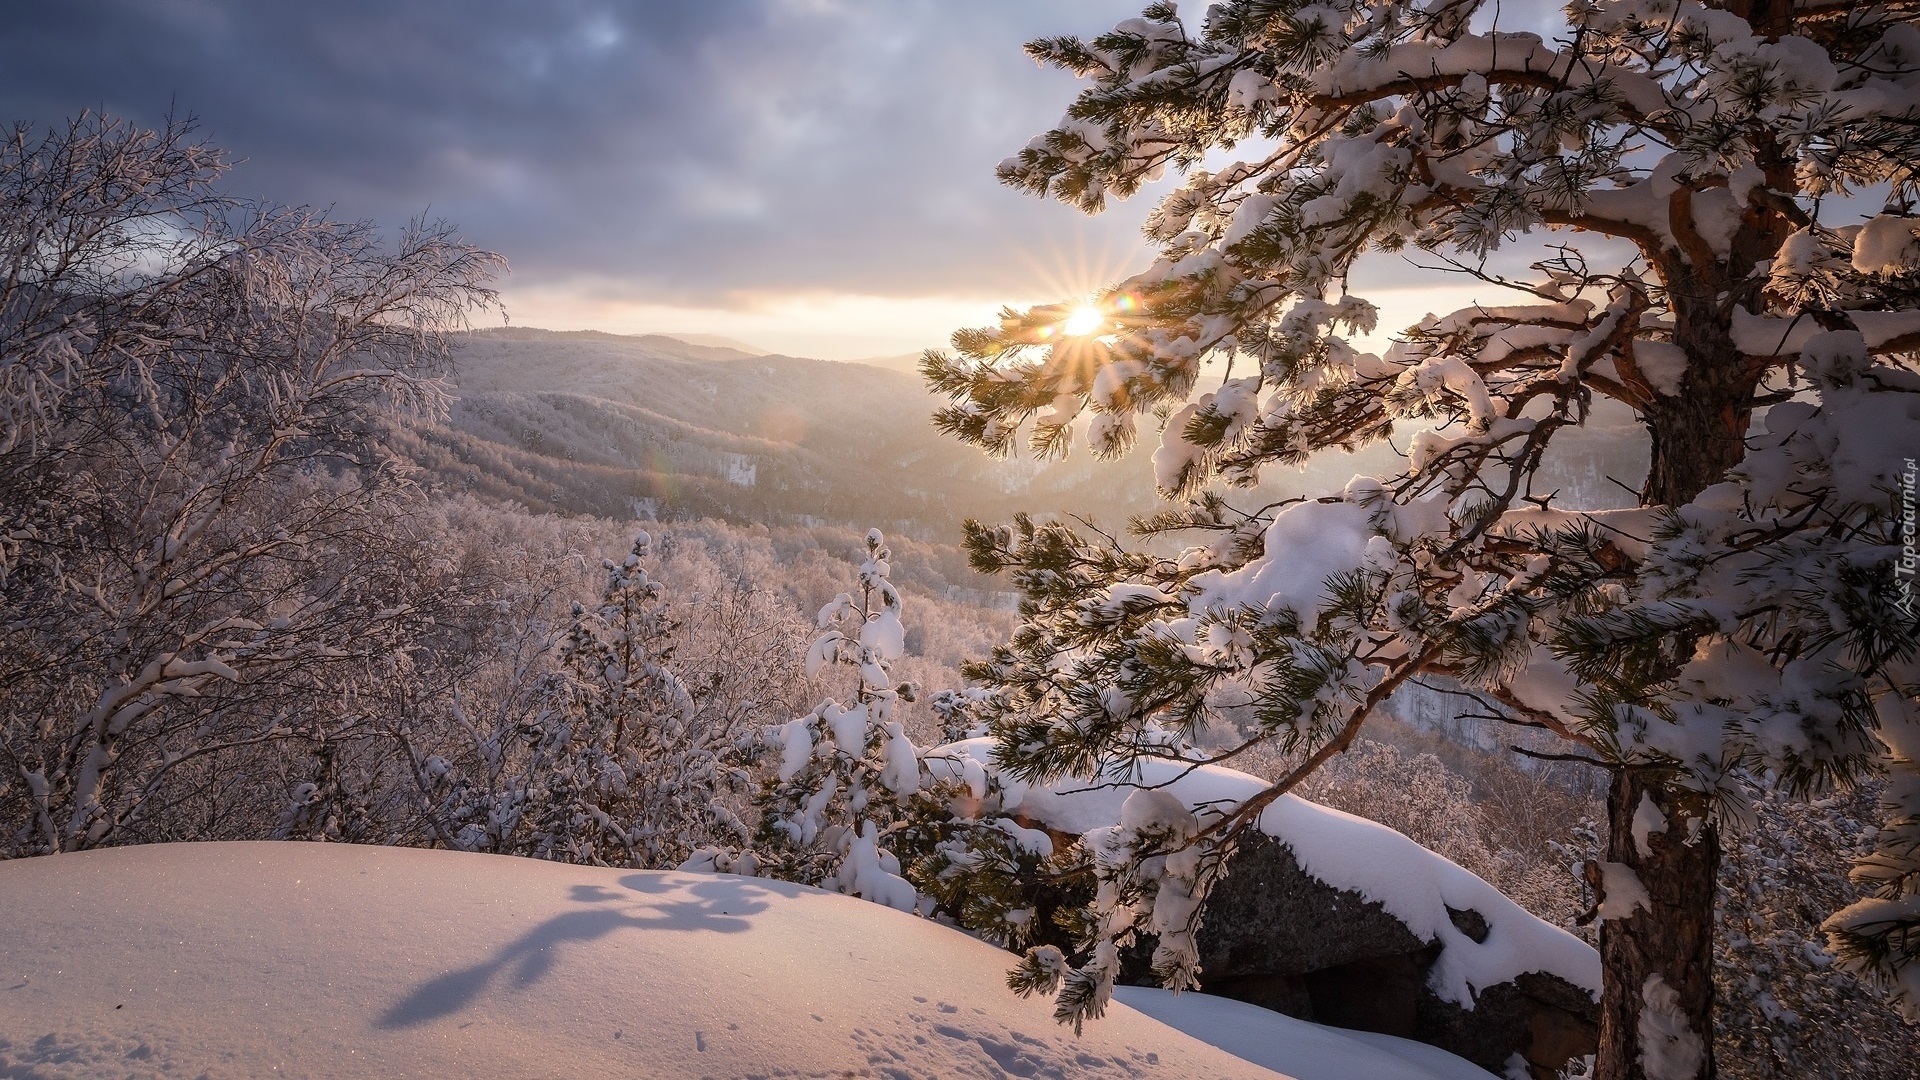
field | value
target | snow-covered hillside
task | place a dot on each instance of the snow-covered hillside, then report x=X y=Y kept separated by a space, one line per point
x=333 y=960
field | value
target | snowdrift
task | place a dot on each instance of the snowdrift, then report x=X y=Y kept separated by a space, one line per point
x=243 y=959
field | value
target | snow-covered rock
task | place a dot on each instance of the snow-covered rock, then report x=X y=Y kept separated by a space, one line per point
x=1334 y=916
x=1279 y=937
x=245 y=959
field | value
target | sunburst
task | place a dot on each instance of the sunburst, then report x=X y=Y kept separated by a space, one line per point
x=1085 y=321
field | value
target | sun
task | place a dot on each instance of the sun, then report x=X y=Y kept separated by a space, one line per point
x=1085 y=321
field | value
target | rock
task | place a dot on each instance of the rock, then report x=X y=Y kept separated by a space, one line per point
x=1469 y=922
x=1545 y=1020
x=1275 y=936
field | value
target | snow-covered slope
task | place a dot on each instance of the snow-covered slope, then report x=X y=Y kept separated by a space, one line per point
x=333 y=960
x=1413 y=884
x=1303 y=1050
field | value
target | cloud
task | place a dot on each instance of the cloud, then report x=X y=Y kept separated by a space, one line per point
x=813 y=175
x=696 y=154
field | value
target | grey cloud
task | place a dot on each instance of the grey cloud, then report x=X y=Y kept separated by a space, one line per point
x=682 y=150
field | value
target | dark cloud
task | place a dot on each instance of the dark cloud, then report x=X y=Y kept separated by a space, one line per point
x=681 y=150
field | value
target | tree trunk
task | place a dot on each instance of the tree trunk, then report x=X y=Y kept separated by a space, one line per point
x=1656 y=1006
x=1699 y=433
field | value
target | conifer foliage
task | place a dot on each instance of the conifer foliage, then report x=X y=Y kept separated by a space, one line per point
x=1654 y=196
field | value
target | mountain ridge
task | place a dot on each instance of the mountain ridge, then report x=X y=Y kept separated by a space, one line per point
x=646 y=425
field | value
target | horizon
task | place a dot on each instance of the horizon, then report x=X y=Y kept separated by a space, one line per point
x=839 y=202
x=815 y=177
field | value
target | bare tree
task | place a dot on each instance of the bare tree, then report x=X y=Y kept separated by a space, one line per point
x=199 y=551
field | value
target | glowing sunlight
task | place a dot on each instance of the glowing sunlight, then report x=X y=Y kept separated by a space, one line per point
x=1085 y=321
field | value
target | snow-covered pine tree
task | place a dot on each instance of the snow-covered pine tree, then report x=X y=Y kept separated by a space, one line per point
x=979 y=863
x=662 y=760
x=1709 y=275
x=615 y=764
x=846 y=772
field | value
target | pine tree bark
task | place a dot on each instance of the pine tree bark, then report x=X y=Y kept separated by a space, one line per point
x=1669 y=940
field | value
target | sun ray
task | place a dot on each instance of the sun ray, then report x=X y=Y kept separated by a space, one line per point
x=1084 y=321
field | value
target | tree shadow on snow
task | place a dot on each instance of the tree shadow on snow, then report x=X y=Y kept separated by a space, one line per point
x=663 y=904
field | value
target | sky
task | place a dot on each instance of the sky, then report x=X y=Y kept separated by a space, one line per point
x=813 y=177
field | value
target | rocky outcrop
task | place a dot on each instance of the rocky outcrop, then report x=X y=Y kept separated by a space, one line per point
x=1330 y=917
x=1274 y=935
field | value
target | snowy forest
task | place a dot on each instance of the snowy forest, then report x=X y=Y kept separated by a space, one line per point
x=1531 y=688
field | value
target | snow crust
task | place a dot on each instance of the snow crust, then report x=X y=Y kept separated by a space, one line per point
x=249 y=959
x=1885 y=245
x=1647 y=820
x=1758 y=335
x=1627 y=529
x=1413 y=884
x=1546 y=684
x=1663 y=363
x=1623 y=890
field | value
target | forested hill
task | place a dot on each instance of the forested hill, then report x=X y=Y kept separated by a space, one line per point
x=651 y=426
x=655 y=427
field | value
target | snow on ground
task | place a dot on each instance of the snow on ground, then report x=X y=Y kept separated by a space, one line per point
x=1413 y=884
x=228 y=960
x=1303 y=1050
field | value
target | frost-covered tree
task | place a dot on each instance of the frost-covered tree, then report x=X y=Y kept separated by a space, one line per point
x=613 y=761
x=645 y=748
x=199 y=555
x=1785 y=1008
x=1668 y=194
x=1418 y=796
x=846 y=773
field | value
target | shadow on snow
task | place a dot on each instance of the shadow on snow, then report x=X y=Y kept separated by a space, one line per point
x=721 y=905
